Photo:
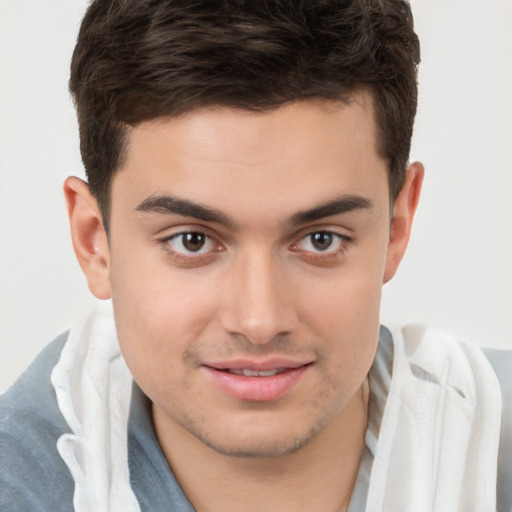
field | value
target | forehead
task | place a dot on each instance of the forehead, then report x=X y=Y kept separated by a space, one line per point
x=351 y=117
x=309 y=149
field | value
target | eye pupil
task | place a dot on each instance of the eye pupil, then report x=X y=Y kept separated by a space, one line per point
x=193 y=241
x=321 y=240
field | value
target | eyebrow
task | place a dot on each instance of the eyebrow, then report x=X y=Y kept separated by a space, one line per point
x=183 y=207
x=174 y=205
x=337 y=206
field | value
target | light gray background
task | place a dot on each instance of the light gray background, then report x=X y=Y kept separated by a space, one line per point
x=458 y=271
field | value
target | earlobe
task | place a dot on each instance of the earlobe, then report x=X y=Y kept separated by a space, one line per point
x=89 y=238
x=403 y=215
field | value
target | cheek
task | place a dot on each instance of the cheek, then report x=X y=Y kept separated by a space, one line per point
x=343 y=310
x=159 y=315
x=348 y=299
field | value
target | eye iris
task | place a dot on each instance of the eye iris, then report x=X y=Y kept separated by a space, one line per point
x=194 y=241
x=321 y=240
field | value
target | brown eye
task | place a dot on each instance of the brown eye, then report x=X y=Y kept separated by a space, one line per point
x=321 y=240
x=193 y=242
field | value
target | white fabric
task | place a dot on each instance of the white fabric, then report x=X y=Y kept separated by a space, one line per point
x=93 y=387
x=438 y=443
x=436 y=451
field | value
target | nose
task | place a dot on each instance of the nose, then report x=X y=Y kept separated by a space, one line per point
x=258 y=301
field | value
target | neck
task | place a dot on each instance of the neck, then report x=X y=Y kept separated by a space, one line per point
x=318 y=476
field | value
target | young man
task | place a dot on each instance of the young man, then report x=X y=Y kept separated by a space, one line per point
x=248 y=194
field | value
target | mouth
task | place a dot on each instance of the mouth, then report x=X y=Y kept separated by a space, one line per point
x=255 y=373
x=257 y=382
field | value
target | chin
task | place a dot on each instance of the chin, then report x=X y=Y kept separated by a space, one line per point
x=261 y=444
x=258 y=449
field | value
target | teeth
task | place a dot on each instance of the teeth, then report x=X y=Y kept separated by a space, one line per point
x=255 y=373
x=268 y=373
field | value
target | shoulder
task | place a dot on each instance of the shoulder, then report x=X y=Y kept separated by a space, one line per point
x=33 y=475
x=151 y=477
x=434 y=355
x=501 y=361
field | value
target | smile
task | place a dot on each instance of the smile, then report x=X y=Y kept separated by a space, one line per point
x=256 y=382
x=255 y=373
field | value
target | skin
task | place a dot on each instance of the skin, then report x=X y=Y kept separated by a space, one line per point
x=259 y=288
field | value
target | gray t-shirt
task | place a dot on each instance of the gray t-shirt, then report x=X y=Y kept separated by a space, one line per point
x=34 y=477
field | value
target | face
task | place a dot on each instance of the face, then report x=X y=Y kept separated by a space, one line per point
x=246 y=259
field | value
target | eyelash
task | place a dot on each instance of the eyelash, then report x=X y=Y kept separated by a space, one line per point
x=190 y=258
x=198 y=258
x=327 y=256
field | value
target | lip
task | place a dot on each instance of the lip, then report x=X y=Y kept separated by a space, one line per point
x=259 y=366
x=256 y=389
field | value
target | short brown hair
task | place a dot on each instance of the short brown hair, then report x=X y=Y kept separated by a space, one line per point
x=137 y=60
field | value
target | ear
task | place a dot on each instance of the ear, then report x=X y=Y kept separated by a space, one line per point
x=89 y=237
x=403 y=214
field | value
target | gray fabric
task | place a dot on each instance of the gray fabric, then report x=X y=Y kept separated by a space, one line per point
x=151 y=477
x=34 y=477
x=501 y=361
